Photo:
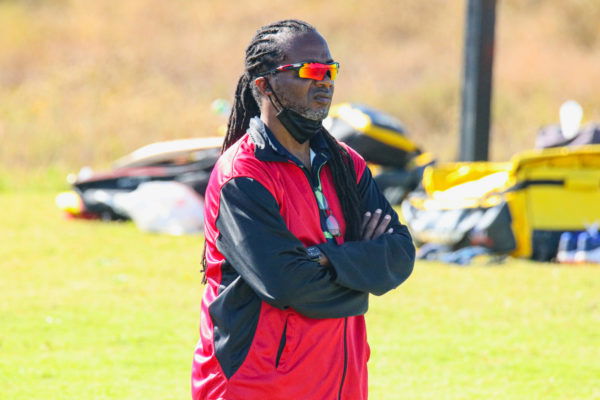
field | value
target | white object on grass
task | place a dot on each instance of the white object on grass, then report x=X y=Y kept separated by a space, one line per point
x=163 y=207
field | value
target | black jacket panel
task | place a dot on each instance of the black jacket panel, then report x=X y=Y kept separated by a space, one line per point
x=279 y=271
x=235 y=315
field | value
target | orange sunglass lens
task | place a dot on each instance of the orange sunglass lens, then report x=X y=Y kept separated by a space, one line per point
x=317 y=71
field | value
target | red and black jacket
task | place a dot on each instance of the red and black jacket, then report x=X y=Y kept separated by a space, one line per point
x=275 y=324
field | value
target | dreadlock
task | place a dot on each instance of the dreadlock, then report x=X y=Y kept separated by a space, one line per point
x=264 y=53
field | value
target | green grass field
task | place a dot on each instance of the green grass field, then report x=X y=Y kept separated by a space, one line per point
x=102 y=311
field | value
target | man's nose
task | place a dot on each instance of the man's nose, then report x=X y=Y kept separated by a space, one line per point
x=326 y=82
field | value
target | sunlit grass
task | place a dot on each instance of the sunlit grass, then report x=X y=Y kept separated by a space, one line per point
x=102 y=311
x=93 y=310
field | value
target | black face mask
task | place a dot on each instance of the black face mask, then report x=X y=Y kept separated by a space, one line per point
x=300 y=127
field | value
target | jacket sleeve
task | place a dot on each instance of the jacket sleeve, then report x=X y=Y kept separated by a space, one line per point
x=257 y=243
x=375 y=266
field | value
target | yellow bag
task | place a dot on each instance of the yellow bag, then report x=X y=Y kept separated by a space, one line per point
x=553 y=191
x=548 y=192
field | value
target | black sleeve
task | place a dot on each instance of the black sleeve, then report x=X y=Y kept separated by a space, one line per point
x=257 y=243
x=374 y=266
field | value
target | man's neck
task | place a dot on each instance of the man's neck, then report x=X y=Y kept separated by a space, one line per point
x=299 y=150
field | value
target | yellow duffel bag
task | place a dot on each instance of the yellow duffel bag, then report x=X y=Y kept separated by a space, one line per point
x=553 y=191
x=546 y=192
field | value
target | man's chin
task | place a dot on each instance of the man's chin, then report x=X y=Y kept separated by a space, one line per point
x=317 y=114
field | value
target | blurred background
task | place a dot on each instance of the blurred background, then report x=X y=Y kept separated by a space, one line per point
x=82 y=83
x=102 y=311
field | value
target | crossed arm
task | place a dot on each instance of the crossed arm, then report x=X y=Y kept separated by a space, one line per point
x=373 y=225
x=275 y=264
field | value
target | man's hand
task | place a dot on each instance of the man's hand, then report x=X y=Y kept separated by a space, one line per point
x=375 y=225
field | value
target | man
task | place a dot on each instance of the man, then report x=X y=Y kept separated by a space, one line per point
x=297 y=236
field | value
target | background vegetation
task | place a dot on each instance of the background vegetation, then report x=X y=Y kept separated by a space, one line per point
x=84 y=82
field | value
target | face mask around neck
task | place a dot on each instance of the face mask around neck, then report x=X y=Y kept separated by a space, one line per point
x=300 y=127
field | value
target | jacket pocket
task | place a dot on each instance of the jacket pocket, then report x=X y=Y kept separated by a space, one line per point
x=282 y=342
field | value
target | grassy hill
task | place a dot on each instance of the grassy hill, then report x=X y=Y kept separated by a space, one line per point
x=84 y=82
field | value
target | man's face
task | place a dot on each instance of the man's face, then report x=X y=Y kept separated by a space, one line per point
x=310 y=98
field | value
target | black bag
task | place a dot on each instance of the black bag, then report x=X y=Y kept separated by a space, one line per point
x=488 y=227
x=378 y=137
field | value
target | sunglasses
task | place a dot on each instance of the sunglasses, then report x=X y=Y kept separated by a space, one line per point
x=332 y=225
x=310 y=70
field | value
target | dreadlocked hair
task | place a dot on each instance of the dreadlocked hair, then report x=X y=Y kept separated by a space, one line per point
x=264 y=53
x=344 y=180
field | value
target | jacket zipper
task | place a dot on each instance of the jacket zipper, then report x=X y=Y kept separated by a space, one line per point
x=282 y=343
x=345 y=359
x=310 y=180
x=309 y=175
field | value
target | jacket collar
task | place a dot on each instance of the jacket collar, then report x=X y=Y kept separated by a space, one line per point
x=268 y=148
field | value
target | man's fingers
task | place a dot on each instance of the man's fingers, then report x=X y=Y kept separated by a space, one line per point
x=365 y=221
x=381 y=228
x=372 y=225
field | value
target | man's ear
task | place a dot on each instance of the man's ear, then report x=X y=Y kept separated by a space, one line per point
x=263 y=86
